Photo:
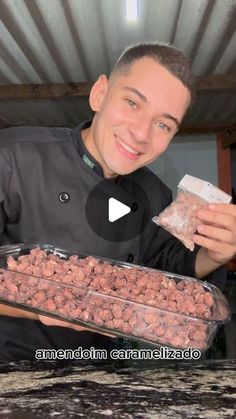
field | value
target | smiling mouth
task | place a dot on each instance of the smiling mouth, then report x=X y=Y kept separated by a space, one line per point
x=128 y=148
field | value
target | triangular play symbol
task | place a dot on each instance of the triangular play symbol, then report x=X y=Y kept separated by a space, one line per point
x=116 y=209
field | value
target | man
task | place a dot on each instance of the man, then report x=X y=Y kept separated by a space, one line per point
x=47 y=176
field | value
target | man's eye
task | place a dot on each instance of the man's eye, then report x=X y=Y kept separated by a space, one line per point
x=131 y=103
x=164 y=126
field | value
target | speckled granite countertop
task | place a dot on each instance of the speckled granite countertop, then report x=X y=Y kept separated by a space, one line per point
x=117 y=390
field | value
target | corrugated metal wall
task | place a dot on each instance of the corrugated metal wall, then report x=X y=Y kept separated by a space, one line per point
x=61 y=41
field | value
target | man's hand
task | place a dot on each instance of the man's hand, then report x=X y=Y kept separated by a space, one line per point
x=6 y=310
x=217 y=236
x=49 y=321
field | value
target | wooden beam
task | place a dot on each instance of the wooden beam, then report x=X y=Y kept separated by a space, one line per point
x=216 y=82
x=229 y=138
x=43 y=91
x=224 y=165
x=206 y=128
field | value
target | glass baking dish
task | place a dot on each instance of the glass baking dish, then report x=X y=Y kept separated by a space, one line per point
x=111 y=310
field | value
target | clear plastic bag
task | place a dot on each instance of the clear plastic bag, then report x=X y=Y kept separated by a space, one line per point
x=180 y=217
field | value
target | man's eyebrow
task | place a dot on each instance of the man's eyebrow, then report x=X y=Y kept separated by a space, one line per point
x=137 y=92
x=173 y=118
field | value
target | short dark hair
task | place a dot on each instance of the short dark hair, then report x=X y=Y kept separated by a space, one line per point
x=168 y=56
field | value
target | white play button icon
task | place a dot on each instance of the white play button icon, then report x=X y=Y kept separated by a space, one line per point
x=116 y=209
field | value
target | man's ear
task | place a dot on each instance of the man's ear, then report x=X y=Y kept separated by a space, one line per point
x=98 y=93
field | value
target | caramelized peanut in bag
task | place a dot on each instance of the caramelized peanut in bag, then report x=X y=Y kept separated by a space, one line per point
x=180 y=217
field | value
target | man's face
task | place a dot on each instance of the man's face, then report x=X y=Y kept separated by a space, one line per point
x=137 y=115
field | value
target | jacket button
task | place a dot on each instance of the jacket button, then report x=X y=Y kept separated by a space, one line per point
x=64 y=197
x=134 y=207
x=130 y=258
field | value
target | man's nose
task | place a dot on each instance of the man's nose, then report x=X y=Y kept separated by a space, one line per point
x=140 y=130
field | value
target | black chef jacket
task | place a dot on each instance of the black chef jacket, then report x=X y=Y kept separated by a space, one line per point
x=37 y=165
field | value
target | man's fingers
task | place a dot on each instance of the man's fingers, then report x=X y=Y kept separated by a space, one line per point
x=229 y=209
x=216 y=233
x=216 y=218
x=50 y=321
